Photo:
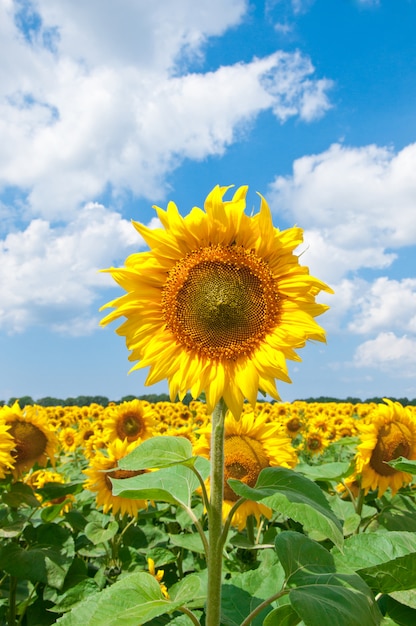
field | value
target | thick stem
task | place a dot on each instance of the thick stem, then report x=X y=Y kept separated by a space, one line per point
x=215 y=516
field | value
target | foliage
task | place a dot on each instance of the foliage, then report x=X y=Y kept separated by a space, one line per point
x=324 y=558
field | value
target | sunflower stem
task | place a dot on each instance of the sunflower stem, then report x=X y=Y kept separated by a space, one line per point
x=215 y=516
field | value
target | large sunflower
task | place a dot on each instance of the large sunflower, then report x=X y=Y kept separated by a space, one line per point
x=218 y=303
x=387 y=433
x=251 y=444
x=103 y=467
x=6 y=448
x=34 y=440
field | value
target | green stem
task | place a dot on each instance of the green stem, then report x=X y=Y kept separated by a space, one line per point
x=262 y=606
x=191 y=615
x=215 y=516
x=12 y=601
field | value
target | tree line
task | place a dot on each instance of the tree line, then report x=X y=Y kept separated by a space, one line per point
x=164 y=397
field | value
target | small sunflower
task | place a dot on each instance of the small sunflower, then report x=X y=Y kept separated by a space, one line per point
x=34 y=440
x=103 y=467
x=218 y=303
x=68 y=439
x=387 y=433
x=251 y=444
x=133 y=420
x=7 y=445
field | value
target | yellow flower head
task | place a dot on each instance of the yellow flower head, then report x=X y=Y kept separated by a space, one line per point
x=7 y=445
x=34 y=440
x=387 y=433
x=133 y=420
x=218 y=303
x=251 y=444
x=103 y=467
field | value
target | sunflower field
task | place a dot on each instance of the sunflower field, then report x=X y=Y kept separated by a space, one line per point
x=103 y=515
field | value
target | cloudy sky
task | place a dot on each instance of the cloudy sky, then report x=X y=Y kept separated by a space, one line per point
x=107 y=108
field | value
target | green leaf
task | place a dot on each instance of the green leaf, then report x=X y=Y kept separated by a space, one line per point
x=296 y=497
x=75 y=595
x=247 y=590
x=284 y=615
x=158 y=452
x=97 y=534
x=337 y=600
x=175 y=484
x=401 y=614
x=130 y=601
x=47 y=560
x=403 y=465
x=189 y=541
x=386 y=561
x=191 y=591
x=300 y=557
x=20 y=494
x=324 y=471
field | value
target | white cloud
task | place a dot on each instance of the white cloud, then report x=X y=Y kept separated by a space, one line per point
x=50 y=276
x=388 y=352
x=386 y=304
x=111 y=106
x=356 y=205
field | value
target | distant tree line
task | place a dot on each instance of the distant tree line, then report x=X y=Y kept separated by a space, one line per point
x=164 y=397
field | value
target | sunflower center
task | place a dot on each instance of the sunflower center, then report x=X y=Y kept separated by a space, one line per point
x=244 y=460
x=130 y=425
x=393 y=441
x=120 y=474
x=220 y=301
x=30 y=441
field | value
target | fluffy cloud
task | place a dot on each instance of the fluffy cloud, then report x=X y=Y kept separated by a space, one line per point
x=50 y=276
x=356 y=205
x=386 y=304
x=93 y=99
x=388 y=352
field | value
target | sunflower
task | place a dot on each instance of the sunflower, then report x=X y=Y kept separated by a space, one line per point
x=7 y=445
x=68 y=439
x=103 y=467
x=34 y=440
x=218 y=303
x=251 y=444
x=133 y=420
x=387 y=433
x=39 y=478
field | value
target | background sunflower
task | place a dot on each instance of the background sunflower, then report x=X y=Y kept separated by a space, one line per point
x=251 y=444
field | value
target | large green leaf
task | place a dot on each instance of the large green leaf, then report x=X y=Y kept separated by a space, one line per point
x=133 y=600
x=401 y=613
x=19 y=494
x=161 y=451
x=174 y=484
x=296 y=497
x=321 y=595
x=300 y=555
x=190 y=591
x=47 y=560
x=335 y=600
x=386 y=561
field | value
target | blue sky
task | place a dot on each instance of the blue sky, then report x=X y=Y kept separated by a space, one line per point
x=110 y=107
